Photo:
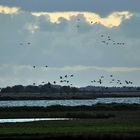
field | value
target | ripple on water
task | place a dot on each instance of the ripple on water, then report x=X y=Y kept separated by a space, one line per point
x=45 y=103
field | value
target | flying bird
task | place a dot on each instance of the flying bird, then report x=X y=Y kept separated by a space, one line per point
x=102 y=76
x=126 y=82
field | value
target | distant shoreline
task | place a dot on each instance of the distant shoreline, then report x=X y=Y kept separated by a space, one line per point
x=65 y=96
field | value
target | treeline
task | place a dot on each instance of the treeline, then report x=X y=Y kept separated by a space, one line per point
x=50 y=88
x=46 y=88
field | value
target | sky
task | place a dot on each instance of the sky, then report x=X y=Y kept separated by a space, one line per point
x=88 y=39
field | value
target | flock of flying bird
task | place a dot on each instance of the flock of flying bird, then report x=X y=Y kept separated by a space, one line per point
x=66 y=80
x=62 y=79
x=105 y=39
x=21 y=44
x=112 y=81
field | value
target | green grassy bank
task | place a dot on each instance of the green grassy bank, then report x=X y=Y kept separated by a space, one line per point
x=114 y=121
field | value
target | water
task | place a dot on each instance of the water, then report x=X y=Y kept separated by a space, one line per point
x=30 y=120
x=45 y=103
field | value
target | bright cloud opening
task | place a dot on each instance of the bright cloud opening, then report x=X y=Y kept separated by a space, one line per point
x=110 y=21
x=9 y=10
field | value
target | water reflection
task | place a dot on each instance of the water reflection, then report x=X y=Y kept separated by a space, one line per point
x=31 y=120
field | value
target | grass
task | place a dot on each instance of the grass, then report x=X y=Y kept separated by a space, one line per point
x=57 y=111
x=83 y=128
x=98 y=121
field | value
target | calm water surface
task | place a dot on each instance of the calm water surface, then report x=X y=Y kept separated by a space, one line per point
x=45 y=103
x=31 y=120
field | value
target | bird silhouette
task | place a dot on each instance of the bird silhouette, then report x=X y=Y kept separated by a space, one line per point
x=102 y=76
x=71 y=75
x=126 y=82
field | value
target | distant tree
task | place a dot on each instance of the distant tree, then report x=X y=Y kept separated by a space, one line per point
x=65 y=89
x=31 y=88
x=138 y=88
x=6 y=90
x=74 y=90
x=46 y=88
x=17 y=88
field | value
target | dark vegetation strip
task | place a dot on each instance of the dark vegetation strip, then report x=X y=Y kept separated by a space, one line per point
x=81 y=96
x=113 y=106
x=69 y=137
x=71 y=115
x=99 y=111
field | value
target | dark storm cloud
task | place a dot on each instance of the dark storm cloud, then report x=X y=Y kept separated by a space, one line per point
x=102 y=7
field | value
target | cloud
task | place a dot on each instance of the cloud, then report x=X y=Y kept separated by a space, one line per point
x=98 y=6
x=79 y=68
x=119 y=69
x=9 y=10
x=114 y=19
x=31 y=27
x=66 y=48
x=131 y=27
x=25 y=74
x=60 y=44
